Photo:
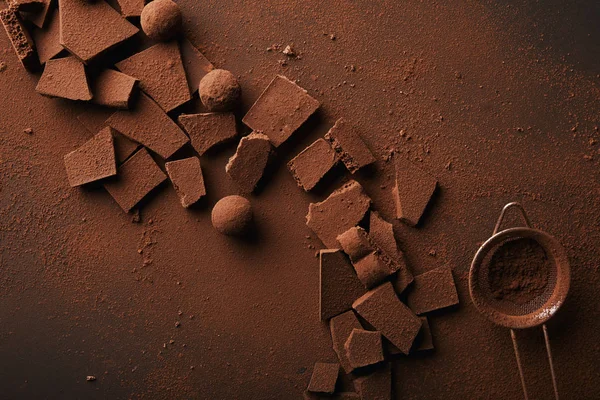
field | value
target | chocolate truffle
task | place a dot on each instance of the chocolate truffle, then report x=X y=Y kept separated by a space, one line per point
x=219 y=90
x=232 y=215
x=161 y=20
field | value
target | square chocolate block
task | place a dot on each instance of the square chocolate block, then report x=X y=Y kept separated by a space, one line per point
x=93 y=161
x=349 y=146
x=363 y=348
x=324 y=378
x=432 y=290
x=311 y=165
x=208 y=130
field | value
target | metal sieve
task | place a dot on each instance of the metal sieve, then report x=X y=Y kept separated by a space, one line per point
x=535 y=311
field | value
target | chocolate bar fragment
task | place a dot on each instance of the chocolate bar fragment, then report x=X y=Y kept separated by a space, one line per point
x=342 y=210
x=341 y=327
x=349 y=146
x=311 y=165
x=40 y=16
x=137 y=177
x=432 y=290
x=382 y=309
x=187 y=179
x=324 y=378
x=413 y=191
x=146 y=123
x=339 y=285
x=131 y=8
x=113 y=89
x=208 y=130
x=160 y=72
x=377 y=385
x=280 y=110
x=47 y=40
x=363 y=348
x=194 y=63
x=93 y=161
x=247 y=165
x=19 y=38
x=66 y=78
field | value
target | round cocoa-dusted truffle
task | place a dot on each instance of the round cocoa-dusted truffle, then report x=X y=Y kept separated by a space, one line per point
x=219 y=90
x=232 y=215
x=161 y=19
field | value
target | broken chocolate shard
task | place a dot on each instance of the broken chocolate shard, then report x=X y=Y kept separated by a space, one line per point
x=124 y=147
x=113 y=89
x=65 y=78
x=424 y=340
x=341 y=327
x=93 y=161
x=382 y=309
x=208 y=130
x=137 y=177
x=349 y=146
x=131 y=8
x=38 y=17
x=377 y=385
x=432 y=291
x=412 y=192
x=90 y=28
x=26 y=5
x=311 y=165
x=147 y=123
x=19 y=38
x=342 y=210
x=339 y=285
x=382 y=234
x=363 y=348
x=324 y=378
x=194 y=63
x=280 y=110
x=160 y=72
x=47 y=40
x=247 y=165
x=186 y=177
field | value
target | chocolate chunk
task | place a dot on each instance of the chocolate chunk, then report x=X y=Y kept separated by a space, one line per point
x=382 y=234
x=124 y=147
x=160 y=72
x=247 y=165
x=381 y=308
x=47 y=40
x=309 y=167
x=341 y=327
x=131 y=8
x=209 y=129
x=349 y=146
x=186 y=176
x=377 y=385
x=113 y=89
x=342 y=210
x=339 y=285
x=194 y=63
x=432 y=290
x=363 y=348
x=424 y=340
x=93 y=161
x=26 y=5
x=137 y=177
x=38 y=17
x=280 y=110
x=147 y=124
x=414 y=188
x=90 y=28
x=64 y=77
x=19 y=38
x=324 y=378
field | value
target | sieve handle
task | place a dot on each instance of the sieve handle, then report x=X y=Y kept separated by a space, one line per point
x=507 y=207
x=518 y=357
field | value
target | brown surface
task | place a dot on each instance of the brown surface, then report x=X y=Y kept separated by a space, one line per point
x=377 y=385
x=47 y=40
x=424 y=340
x=26 y=5
x=432 y=290
x=160 y=72
x=39 y=17
x=247 y=165
x=65 y=78
x=94 y=160
x=381 y=308
x=89 y=29
x=147 y=124
x=131 y=8
x=341 y=327
x=186 y=177
x=136 y=177
x=349 y=146
x=324 y=377
x=311 y=165
x=113 y=89
x=363 y=348
x=196 y=65
x=19 y=37
x=208 y=130
x=492 y=89
x=336 y=396
x=343 y=209
x=280 y=110
x=412 y=192
x=338 y=284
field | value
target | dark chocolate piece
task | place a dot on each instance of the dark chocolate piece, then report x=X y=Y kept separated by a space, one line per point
x=66 y=78
x=93 y=161
x=341 y=327
x=47 y=40
x=131 y=8
x=26 y=5
x=349 y=146
x=363 y=348
x=311 y=165
x=414 y=188
x=324 y=378
x=19 y=38
x=187 y=179
x=424 y=340
x=209 y=129
x=113 y=89
x=194 y=63
x=432 y=290
x=247 y=165
x=38 y=17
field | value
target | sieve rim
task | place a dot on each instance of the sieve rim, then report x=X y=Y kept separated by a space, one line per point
x=554 y=250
